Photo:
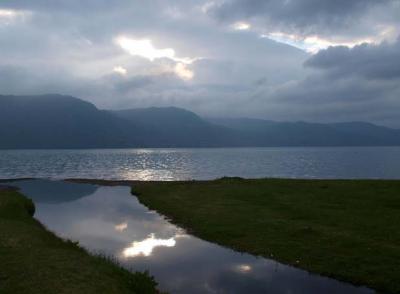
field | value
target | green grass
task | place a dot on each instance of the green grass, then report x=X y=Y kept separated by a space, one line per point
x=33 y=260
x=346 y=229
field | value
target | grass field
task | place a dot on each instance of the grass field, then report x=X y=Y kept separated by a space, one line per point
x=33 y=260
x=346 y=229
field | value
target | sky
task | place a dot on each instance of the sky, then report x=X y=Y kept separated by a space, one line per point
x=310 y=60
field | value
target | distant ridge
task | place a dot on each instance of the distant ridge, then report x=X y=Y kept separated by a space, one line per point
x=270 y=133
x=58 y=121
x=177 y=127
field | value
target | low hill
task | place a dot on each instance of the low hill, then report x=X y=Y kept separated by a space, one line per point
x=57 y=121
x=173 y=126
x=269 y=133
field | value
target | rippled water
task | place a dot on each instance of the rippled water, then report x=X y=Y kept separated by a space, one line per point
x=183 y=164
x=112 y=221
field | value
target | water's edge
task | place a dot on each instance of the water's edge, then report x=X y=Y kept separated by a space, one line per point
x=169 y=218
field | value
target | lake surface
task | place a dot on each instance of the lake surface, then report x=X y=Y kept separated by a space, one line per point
x=110 y=220
x=184 y=164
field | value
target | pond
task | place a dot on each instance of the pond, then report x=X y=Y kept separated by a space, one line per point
x=111 y=221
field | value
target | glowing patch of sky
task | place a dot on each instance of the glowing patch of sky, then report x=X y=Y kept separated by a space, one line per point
x=241 y=26
x=312 y=44
x=183 y=72
x=145 y=48
x=120 y=70
x=9 y=15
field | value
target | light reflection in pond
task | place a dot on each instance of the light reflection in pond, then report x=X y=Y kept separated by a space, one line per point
x=112 y=221
x=147 y=246
x=244 y=268
x=121 y=227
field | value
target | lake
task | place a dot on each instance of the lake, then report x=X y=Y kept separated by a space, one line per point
x=207 y=163
x=111 y=221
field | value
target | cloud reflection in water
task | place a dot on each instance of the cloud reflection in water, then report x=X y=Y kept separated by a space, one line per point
x=146 y=247
x=244 y=268
x=121 y=227
x=110 y=219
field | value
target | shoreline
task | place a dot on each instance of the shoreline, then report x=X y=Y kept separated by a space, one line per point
x=332 y=247
x=51 y=264
x=326 y=227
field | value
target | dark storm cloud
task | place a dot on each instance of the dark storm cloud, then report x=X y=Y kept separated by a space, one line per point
x=362 y=83
x=370 y=61
x=309 y=16
x=62 y=5
x=299 y=12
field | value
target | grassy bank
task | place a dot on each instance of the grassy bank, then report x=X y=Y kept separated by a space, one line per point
x=345 y=229
x=34 y=260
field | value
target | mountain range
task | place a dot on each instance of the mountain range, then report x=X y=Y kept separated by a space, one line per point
x=58 y=121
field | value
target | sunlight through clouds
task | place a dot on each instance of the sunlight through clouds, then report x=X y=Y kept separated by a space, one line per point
x=218 y=58
x=145 y=48
x=183 y=72
x=313 y=44
x=120 y=70
x=7 y=16
x=241 y=26
x=7 y=13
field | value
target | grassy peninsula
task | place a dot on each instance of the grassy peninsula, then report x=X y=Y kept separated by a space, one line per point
x=33 y=260
x=346 y=229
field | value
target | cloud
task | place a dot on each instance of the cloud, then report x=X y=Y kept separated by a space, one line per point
x=154 y=44
x=10 y=16
x=8 y=13
x=241 y=26
x=120 y=70
x=315 y=24
x=183 y=72
x=303 y=15
x=314 y=44
x=144 y=48
x=369 y=61
x=361 y=83
x=123 y=54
